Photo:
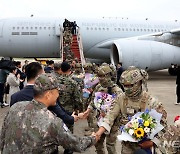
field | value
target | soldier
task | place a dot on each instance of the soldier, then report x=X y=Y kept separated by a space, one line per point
x=70 y=96
x=132 y=101
x=30 y=128
x=78 y=75
x=88 y=68
x=107 y=86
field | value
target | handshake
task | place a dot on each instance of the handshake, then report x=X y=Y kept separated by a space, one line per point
x=96 y=135
x=82 y=115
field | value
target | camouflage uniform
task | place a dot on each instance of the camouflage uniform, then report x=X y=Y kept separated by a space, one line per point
x=67 y=37
x=106 y=85
x=29 y=127
x=70 y=96
x=78 y=76
x=88 y=68
x=134 y=100
x=171 y=136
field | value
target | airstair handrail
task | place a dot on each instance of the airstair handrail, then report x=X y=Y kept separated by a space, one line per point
x=61 y=43
x=79 y=38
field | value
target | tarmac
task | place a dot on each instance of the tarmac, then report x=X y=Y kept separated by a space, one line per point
x=160 y=85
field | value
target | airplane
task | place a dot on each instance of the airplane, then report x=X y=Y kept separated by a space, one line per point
x=147 y=44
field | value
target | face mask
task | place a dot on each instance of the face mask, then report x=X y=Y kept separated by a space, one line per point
x=133 y=90
x=78 y=70
x=105 y=81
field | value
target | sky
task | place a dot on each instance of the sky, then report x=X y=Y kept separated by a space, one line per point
x=153 y=9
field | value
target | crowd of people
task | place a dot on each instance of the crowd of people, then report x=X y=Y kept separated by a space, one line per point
x=43 y=113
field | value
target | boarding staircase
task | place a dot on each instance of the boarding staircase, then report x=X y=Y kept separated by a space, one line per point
x=76 y=47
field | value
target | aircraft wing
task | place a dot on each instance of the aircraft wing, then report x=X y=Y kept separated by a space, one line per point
x=171 y=37
x=175 y=31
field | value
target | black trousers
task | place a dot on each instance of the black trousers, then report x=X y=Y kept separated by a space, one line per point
x=178 y=93
x=1 y=92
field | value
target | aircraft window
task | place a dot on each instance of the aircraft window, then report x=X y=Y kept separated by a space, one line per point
x=17 y=27
x=33 y=33
x=27 y=27
x=151 y=30
x=115 y=29
x=95 y=28
x=13 y=27
x=155 y=30
x=99 y=28
x=40 y=27
x=103 y=28
x=145 y=30
x=141 y=30
x=119 y=29
x=35 y=27
x=53 y=27
x=107 y=28
x=45 y=28
x=25 y=33
x=130 y=29
x=122 y=29
x=158 y=30
x=91 y=28
x=134 y=29
x=22 y=27
x=15 y=33
x=49 y=28
x=137 y=29
x=87 y=28
x=31 y=27
x=126 y=29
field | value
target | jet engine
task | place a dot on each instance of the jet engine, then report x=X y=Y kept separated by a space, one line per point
x=149 y=55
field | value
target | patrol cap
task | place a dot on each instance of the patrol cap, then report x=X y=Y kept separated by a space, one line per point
x=57 y=66
x=45 y=82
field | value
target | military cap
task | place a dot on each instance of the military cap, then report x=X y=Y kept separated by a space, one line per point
x=57 y=65
x=132 y=75
x=45 y=82
x=103 y=70
x=78 y=65
x=88 y=65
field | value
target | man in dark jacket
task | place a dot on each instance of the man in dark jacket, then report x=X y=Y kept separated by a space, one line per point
x=119 y=72
x=32 y=71
x=176 y=71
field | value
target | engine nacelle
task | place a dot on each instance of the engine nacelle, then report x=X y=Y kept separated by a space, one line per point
x=144 y=54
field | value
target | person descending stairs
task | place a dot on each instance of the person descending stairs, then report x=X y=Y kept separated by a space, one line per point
x=71 y=44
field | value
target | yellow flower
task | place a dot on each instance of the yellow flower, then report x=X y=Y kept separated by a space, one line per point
x=146 y=123
x=139 y=132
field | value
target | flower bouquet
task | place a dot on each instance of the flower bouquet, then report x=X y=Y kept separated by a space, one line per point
x=102 y=102
x=90 y=80
x=143 y=125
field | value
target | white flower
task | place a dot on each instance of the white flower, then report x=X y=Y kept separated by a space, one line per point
x=99 y=100
x=131 y=132
x=147 y=130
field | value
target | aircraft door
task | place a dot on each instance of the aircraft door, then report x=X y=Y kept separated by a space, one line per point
x=58 y=28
